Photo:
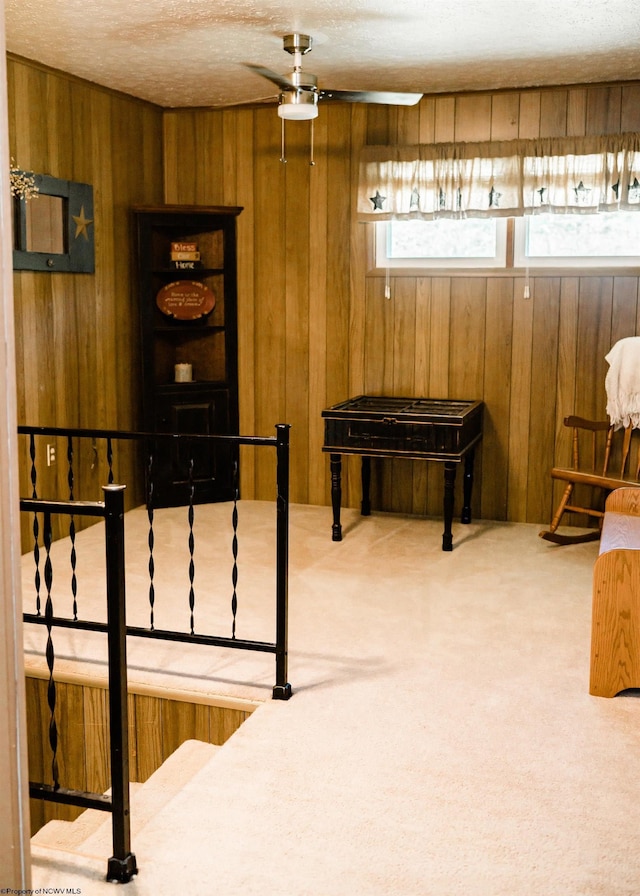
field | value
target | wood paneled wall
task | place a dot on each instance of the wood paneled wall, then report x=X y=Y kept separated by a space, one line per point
x=77 y=335
x=315 y=327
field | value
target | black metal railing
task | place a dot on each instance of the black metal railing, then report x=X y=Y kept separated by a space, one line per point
x=184 y=444
x=122 y=864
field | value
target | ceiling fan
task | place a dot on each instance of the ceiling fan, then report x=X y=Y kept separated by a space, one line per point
x=299 y=92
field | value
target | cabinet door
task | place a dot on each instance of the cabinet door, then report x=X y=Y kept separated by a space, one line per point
x=201 y=412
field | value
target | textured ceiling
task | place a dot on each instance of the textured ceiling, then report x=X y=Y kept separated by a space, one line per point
x=189 y=52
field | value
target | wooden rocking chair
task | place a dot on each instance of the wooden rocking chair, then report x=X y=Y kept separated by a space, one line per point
x=603 y=459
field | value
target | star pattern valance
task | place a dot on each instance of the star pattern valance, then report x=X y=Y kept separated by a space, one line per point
x=565 y=175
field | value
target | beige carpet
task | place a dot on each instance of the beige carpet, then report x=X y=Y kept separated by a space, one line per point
x=441 y=740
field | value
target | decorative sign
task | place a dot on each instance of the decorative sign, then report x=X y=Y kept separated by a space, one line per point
x=185 y=300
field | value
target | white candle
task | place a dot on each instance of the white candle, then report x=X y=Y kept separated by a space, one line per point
x=183 y=373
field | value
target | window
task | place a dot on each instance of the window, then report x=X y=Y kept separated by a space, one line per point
x=442 y=243
x=604 y=240
x=608 y=239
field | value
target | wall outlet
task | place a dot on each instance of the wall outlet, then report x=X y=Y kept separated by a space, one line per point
x=51 y=455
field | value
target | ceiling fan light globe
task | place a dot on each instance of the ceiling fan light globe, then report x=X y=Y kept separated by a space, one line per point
x=298 y=105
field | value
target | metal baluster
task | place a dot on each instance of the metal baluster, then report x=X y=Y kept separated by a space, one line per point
x=152 y=590
x=110 y=461
x=192 y=599
x=282 y=688
x=51 y=687
x=122 y=865
x=72 y=530
x=36 y=525
x=234 y=547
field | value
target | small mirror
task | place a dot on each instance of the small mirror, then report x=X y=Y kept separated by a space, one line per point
x=45 y=220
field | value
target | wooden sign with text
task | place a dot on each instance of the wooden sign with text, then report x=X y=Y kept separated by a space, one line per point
x=186 y=300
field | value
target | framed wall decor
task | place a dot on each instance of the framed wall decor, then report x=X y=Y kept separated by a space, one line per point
x=54 y=230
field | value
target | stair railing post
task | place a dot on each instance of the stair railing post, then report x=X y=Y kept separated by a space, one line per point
x=122 y=865
x=282 y=689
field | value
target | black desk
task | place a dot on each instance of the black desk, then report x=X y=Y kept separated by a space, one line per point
x=416 y=428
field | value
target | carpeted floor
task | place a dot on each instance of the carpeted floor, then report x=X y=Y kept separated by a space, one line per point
x=441 y=740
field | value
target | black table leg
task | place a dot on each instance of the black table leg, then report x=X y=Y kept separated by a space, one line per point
x=449 y=486
x=467 y=486
x=336 y=495
x=365 y=507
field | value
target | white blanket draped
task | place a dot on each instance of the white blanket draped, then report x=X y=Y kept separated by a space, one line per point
x=622 y=383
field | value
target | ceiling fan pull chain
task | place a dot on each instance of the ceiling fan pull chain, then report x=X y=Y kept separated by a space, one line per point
x=283 y=157
x=311 y=160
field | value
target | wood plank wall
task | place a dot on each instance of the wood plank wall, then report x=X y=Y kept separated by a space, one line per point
x=157 y=727
x=314 y=325
x=315 y=328
x=77 y=335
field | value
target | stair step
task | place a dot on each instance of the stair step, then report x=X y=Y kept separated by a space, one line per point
x=69 y=835
x=58 y=832
x=158 y=790
x=50 y=865
x=90 y=833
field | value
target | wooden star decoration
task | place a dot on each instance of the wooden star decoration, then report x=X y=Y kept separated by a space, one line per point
x=82 y=224
x=633 y=190
x=415 y=199
x=377 y=200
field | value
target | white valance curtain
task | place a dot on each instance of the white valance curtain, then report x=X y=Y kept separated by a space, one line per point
x=565 y=175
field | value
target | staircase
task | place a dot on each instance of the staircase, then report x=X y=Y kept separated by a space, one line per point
x=90 y=834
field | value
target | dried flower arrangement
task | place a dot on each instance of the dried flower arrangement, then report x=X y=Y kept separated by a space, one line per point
x=23 y=183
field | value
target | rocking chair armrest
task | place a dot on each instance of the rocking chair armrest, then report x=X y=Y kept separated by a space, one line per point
x=586 y=477
x=583 y=423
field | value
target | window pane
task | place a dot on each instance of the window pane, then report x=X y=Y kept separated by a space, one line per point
x=601 y=236
x=445 y=243
x=443 y=238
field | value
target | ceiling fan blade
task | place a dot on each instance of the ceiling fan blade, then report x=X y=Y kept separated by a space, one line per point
x=280 y=80
x=385 y=98
x=240 y=104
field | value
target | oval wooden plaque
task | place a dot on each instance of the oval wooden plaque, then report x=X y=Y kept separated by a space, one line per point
x=186 y=300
